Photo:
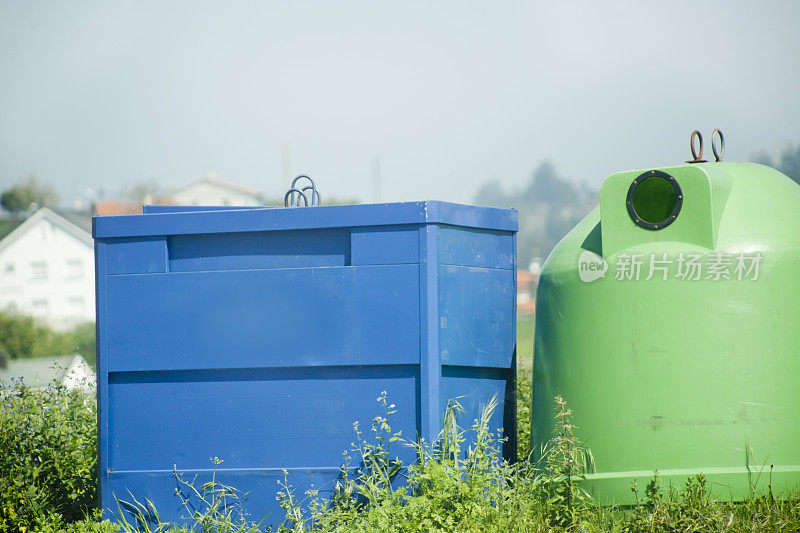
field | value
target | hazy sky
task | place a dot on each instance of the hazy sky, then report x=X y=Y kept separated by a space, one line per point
x=449 y=94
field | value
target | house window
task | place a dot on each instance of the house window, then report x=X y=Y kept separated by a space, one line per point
x=9 y=269
x=40 y=306
x=74 y=268
x=38 y=270
x=76 y=304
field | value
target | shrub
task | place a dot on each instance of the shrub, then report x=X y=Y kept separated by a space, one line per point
x=48 y=456
x=54 y=523
x=23 y=336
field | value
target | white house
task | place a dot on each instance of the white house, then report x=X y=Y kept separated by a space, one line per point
x=72 y=371
x=47 y=269
x=212 y=190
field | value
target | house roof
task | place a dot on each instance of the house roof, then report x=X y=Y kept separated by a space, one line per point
x=76 y=225
x=39 y=371
x=81 y=219
x=214 y=179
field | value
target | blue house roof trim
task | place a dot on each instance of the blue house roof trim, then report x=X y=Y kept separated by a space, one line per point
x=178 y=220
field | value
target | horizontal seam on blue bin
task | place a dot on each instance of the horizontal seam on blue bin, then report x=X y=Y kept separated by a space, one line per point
x=264 y=269
x=276 y=470
x=116 y=377
x=476 y=266
x=271 y=367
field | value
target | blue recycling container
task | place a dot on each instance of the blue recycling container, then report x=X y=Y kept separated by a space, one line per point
x=260 y=335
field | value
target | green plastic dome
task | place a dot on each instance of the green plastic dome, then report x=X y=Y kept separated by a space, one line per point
x=669 y=320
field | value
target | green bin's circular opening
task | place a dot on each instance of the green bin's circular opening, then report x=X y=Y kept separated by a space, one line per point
x=654 y=200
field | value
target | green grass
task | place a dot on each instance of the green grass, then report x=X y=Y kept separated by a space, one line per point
x=525 y=326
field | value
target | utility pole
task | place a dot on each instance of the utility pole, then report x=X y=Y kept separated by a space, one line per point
x=286 y=160
x=376 y=178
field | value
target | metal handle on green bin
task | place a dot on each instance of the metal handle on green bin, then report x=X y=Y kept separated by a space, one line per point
x=697 y=157
x=718 y=152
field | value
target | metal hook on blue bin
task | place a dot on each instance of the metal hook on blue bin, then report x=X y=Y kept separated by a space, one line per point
x=292 y=198
x=293 y=195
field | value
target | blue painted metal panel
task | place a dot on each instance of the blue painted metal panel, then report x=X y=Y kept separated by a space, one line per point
x=262 y=318
x=474 y=247
x=274 y=417
x=263 y=334
x=259 y=249
x=137 y=256
x=430 y=363
x=101 y=337
x=473 y=388
x=476 y=325
x=385 y=245
x=472 y=217
x=334 y=216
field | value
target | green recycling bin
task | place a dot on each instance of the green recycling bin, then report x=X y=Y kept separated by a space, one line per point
x=669 y=320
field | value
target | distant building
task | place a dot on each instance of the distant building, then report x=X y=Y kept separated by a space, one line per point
x=112 y=207
x=106 y=208
x=212 y=190
x=47 y=268
x=526 y=291
x=72 y=371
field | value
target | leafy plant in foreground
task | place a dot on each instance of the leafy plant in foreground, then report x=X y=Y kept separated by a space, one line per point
x=460 y=477
x=48 y=455
x=365 y=486
x=524 y=401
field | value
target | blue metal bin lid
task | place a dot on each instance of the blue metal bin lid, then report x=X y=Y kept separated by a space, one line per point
x=169 y=220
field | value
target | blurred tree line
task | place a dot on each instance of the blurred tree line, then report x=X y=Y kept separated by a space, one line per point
x=788 y=162
x=23 y=336
x=28 y=194
x=549 y=206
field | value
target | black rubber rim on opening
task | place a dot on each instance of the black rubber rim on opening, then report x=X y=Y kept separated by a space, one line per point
x=678 y=201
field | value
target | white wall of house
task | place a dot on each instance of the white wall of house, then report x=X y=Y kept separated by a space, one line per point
x=47 y=270
x=79 y=375
x=213 y=191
